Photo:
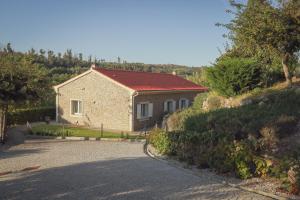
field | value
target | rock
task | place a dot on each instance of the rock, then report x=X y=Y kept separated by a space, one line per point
x=205 y=105
x=293 y=174
x=227 y=103
x=262 y=103
x=246 y=102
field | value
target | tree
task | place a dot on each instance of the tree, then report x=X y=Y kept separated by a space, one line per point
x=20 y=81
x=267 y=30
x=233 y=76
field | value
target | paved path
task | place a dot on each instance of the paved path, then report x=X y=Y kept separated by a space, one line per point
x=101 y=170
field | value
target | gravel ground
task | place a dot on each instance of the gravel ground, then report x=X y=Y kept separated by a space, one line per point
x=102 y=170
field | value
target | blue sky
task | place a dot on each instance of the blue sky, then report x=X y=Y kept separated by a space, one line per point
x=149 y=31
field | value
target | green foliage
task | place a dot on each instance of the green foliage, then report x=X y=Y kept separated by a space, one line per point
x=243 y=159
x=233 y=76
x=295 y=186
x=20 y=78
x=249 y=118
x=273 y=131
x=267 y=31
x=198 y=101
x=21 y=116
x=67 y=130
x=263 y=166
x=229 y=140
x=213 y=102
x=160 y=141
x=199 y=77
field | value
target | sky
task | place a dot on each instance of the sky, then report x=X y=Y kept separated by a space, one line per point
x=149 y=31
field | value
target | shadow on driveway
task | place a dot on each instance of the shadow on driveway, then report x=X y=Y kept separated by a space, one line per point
x=19 y=152
x=127 y=178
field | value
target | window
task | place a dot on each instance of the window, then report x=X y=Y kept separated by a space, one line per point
x=76 y=107
x=183 y=103
x=170 y=106
x=144 y=110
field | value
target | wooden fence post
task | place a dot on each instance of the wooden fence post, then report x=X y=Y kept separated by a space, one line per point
x=101 y=131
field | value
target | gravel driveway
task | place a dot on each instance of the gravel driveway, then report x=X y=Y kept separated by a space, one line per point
x=101 y=170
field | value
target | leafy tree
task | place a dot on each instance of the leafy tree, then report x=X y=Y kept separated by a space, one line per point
x=267 y=30
x=233 y=76
x=20 y=81
x=199 y=76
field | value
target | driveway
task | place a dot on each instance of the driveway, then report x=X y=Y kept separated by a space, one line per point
x=101 y=170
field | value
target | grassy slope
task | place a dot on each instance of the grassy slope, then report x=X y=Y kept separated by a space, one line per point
x=275 y=106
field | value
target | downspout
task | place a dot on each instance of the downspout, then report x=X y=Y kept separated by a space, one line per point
x=134 y=94
x=56 y=104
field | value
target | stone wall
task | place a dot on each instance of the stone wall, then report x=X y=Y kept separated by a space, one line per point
x=104 y=102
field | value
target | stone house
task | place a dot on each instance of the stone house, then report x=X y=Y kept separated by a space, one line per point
x=122 y=100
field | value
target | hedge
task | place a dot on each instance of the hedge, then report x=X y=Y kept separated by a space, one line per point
x=31 y=115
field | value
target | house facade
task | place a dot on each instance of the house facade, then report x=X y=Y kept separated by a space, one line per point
x=122 y=100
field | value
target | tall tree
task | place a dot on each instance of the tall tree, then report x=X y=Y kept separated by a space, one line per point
x=268 y=30
x=20 y=80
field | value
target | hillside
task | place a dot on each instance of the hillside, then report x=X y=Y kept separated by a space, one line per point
x=256 y=134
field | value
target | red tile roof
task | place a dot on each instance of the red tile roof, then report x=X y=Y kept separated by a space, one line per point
x=147 y=81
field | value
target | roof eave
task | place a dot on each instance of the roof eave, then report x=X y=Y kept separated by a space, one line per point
x=169 y=91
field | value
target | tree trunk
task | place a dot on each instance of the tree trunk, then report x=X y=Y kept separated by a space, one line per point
x=3 y=113
x=286 y=71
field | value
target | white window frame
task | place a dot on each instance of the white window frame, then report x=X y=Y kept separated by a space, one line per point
x=71 y=108
x=186 y=102
x=166 y=106
x=139 y=110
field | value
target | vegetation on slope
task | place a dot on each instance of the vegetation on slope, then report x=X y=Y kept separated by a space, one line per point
x=248 y=140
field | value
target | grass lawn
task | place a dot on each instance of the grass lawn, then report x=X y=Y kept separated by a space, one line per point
x=58 y=130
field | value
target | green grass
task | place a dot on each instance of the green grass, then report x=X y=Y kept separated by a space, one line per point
x=58 y=130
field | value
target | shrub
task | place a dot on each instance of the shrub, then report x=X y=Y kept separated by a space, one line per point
x=198 y=101
x=262 y=166
x=177 y=120
x=159 y=139
x=233 y=76
x=275 y=130
x=230 y=139
x=21 y=116
x=212 y=102
x=243 y=159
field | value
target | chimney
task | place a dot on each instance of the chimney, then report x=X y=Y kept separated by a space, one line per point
x=174 y=73
x=93 y=66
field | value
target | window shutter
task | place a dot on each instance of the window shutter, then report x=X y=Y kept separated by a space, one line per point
x=174 y=106
x=79 y=107
x=150 y=109
x=187 y=103
x=138 y=113
x=165 y=106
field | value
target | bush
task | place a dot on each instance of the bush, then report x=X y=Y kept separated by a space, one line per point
x=262 y=166
x=212 y=102
x=198 y=101
x=233 y=76
x=159 y=139
x=21 y=116
x=275 y=130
